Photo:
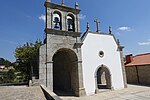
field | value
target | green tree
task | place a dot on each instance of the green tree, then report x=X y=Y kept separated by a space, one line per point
x=8 y=76
x=5 y=62
x=27 y=58
x=11 y=76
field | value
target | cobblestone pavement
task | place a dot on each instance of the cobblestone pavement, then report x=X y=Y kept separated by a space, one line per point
x=21 y=93
x=133 y=92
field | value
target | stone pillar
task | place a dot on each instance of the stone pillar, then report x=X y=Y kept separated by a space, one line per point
x=78 y=22
x=48 y=18
x=96 y=87
x=49 y=76
x=123 y=69
x=81 y=91
x=63 y=21
x=120 y=49
x=42 y=65
x=42 y=74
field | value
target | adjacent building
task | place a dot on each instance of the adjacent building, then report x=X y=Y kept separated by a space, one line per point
x=138 y=69
x=2 y=66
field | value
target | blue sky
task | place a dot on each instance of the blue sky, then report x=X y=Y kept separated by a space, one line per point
x=21 y=21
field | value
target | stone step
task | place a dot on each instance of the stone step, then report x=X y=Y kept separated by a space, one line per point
x=102 y=90
x=34 y=82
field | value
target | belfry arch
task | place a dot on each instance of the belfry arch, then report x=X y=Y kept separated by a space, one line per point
x=65 y=72
x=57 y=20
x=70 y=23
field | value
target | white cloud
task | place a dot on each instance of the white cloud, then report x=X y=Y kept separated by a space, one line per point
x=81 y=16
x=42 y=17
x=8 y=41
x=124 y=28
x=118 y=33
x=144 y=43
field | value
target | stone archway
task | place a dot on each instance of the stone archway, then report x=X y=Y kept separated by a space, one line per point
x=103 y=78
x=65 y=72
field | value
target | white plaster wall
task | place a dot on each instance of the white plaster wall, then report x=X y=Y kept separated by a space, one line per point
x=94 y=43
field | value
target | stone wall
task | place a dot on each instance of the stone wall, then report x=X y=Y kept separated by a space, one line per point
x=144 y=74
x=42 y=65
x=67 y=45
x=138 y=74
x=131 y=74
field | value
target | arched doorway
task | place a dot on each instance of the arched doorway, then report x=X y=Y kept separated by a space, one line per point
x=103 y=78
x=65 y=72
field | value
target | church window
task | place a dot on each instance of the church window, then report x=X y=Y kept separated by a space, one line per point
x=57 y=21
x=101 y=54
x=70 y=23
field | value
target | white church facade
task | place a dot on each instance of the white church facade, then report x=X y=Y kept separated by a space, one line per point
x=102 y=63
x=74 y=64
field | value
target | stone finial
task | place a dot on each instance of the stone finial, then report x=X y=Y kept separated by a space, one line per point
x=97 y=25
x=110 y=30
x=118 y=42
x=88 y=27
x=62 y=3
x=47 y=1
x=120 y=48
x=76 y=5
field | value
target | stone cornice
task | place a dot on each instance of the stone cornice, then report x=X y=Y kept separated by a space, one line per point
x=77 y=45
x=61 y=32
x=62 y=8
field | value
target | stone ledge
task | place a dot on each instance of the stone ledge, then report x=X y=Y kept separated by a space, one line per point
x=49 y=94
x=61 y=32
x=60 y=7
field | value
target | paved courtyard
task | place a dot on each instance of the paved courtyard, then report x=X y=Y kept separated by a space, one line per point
x=133 y=92
x=21 y=93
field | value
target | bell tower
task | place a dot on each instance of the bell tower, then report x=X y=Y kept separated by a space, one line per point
x=61 y=17
x=61 y=64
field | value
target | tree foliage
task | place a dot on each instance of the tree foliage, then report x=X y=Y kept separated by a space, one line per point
x=27 y=58
x=8 y=76
x=5 y=62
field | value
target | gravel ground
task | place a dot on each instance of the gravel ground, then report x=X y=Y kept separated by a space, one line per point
x=21 y=93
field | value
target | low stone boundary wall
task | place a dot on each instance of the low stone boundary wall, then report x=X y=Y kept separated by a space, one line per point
x=49 y=94
x=13 y=84
x=138 y=74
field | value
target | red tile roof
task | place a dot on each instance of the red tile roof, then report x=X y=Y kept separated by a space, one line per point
x=141 y=59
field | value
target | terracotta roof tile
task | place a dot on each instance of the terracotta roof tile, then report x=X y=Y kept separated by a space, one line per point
x=141 y=59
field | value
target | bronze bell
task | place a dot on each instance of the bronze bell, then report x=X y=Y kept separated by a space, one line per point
x=56 y=21
x=70 y=25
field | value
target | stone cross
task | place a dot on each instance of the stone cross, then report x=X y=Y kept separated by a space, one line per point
x=110 y=30
x=88 y=27
x=97 y=24
x=62 y=3
x=76 y=5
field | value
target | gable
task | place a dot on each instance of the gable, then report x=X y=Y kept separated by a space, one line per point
x=99 y=39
